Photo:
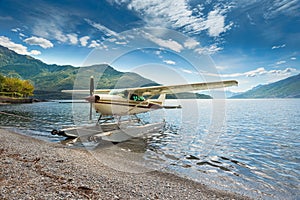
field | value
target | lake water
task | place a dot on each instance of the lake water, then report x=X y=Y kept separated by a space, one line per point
x=247 y=146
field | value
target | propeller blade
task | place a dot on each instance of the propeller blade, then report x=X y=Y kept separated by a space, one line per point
x=92 y=88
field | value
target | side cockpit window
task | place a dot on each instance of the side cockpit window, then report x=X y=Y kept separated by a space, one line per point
x=135 y=97
x=120 y=92
x=127 y=95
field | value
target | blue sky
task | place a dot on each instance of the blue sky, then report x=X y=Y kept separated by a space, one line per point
x=254 y=42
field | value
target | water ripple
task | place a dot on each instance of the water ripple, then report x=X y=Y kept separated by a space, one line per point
x=253 y=148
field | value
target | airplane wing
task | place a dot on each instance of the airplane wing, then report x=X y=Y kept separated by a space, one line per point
x=154 y=90
x=102 y=91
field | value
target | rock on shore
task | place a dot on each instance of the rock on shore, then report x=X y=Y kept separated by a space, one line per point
x=34 y=169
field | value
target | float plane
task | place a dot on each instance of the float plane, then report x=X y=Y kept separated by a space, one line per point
x=113 y=104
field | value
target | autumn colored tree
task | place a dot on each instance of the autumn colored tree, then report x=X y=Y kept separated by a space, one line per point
x=2 y=78
x=16 y=86
x=27 y=88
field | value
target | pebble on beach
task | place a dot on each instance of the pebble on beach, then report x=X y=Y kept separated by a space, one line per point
x=34 y=169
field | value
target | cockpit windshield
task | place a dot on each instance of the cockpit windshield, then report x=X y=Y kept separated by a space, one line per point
x=120 y=92
x=127 y=95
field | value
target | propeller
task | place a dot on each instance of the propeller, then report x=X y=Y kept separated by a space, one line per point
x=92 y=88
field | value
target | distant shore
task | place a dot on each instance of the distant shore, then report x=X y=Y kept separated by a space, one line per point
x=31 y=168
x=10 y=100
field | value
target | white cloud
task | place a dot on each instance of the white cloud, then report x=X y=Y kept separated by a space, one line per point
x=280 y=62
x=59 y=35
x=121 y=43
x=285 y=71
x=84 y=40
x=190 y=43
x=171 y=44
x=102 y=28
x=94 y=44
x=287 y=7
x=208 y=50
x=168 y=12
x=221 y=68
x=54 y=28
x=44 y=43
x=50 y=29
x=112 y=35
x=97 y=44
x=22 y=35
x=16 y=30
x=278 y=46
x=158 y=52
x=255 y=73
x=179 y=14
x=6 y=18
x=35 y=52
x=111 y=39
x=56 y=25
x=54 y=31
x=215 y=23
x=187 y=71
x=169 y=62
x=18 y=48
x=73 y=38
x=293 y=58
x=250 y=19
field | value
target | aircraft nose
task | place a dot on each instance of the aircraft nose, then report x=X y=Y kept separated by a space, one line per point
x=90 y=99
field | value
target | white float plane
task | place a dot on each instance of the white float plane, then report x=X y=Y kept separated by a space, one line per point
x=131 y=101
x=115 y=103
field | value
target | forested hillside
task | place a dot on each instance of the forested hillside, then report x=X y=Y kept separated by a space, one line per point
x=49 y=80
x=286 y=88
x=55 y=77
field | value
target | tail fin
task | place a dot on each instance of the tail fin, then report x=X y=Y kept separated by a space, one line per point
x=162 y=98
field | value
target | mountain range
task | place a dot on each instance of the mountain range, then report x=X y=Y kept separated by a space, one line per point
x=286 y=88
x=55 y=78
x=49 y=80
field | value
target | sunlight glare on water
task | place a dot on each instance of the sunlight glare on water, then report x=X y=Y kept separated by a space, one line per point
x=254 y=150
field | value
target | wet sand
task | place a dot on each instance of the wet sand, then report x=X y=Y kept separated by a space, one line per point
x=34 y=169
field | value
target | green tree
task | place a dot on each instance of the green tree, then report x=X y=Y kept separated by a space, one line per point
x=12 y=86
x=16 y=87
x=2 y=79
x=27 y=89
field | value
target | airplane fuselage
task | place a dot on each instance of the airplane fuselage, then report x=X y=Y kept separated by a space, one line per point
x=130 y=101
x=117 y=105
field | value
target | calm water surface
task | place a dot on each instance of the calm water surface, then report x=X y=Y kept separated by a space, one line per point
x=246 y=146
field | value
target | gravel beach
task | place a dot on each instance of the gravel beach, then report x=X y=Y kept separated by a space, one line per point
x=34 y=169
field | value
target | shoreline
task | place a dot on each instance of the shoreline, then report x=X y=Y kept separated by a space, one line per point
x=11 y=100
x=32 y=168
